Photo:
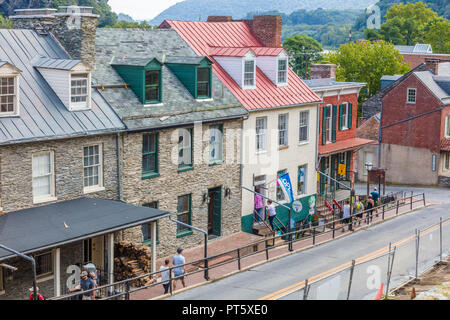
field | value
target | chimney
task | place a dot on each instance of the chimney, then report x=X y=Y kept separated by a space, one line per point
x=432 y=64
x=267 y=29
x=220 y=18
x=74 y=26
x=323 y=71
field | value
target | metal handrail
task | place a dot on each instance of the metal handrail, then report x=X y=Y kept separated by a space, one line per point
x=327 y=176
x=127 y=281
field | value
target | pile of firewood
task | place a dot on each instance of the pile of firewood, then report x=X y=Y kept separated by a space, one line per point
x=132 y=260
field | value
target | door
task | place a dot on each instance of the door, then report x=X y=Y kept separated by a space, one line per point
x=98 y=252
x=215 y=211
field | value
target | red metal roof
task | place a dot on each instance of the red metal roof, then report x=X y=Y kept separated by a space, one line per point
x=343 y=145
x=236 y=35
x=242 y=51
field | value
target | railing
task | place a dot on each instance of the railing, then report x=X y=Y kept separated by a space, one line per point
x=123 y=289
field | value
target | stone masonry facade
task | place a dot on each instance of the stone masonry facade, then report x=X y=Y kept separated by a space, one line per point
x=16 y=186
x=166 y=188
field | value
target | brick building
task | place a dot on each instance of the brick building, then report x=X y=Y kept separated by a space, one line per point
x=419 y=53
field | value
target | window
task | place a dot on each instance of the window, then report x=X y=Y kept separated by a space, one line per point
x=447 y=161
x=44 y=264
x=282 y=71
x=147 y=227
x=203 y=80
x=344 y=116
x=329 y=124
x=303 y=126
x=215 y=143
x=283 y=120
x=261 y=127
x=447 y=127
x=280 y=194
x=184 y=213
x=249 y=73
x=43 y=176
x=8 y=99
x=79 y=96
x=185 y=148
x=149 y=154
x=411 y=95
x=93 y=167
x=301 y=180
x=152 y=86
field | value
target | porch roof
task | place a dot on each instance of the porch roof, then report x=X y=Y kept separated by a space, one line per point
x=343 y=145
x=56 y=224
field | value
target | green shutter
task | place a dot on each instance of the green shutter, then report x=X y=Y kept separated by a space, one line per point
x=333 y=133
x=340 y=117
x=347 y=169
x=333 y=171
x=324 y=125
x=322 y=178
x=350 y=115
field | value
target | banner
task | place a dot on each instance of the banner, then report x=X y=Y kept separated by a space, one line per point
x=285 y=184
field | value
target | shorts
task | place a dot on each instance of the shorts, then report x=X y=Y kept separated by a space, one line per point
x=179 y=276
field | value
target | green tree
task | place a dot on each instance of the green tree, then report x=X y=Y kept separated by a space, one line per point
x=5 y=23
x=303 y=51
x=132 y=25
x=367 y=61
x=437 y=33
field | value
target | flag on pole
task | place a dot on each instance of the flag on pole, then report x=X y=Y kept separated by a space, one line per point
x=284 y=182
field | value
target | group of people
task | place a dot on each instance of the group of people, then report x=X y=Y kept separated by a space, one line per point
x=178 y=272
x=259 y=210
x=373 y=201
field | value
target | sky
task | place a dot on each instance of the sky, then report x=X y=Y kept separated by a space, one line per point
x=141 y=9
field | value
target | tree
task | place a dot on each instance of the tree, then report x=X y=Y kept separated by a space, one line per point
x=131 y=25
x=5 y=23
x=437 y=33
x=367 y=61
x=303 y=51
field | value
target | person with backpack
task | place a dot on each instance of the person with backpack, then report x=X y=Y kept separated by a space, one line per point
x=38 y=295
x=369 y=207
x=375 y=196
x=359 y=206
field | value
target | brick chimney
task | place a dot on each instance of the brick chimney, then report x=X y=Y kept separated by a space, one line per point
x=432 y=64
x=75 y=27
x=220 y=18
x=323 y=71
x=267 y=29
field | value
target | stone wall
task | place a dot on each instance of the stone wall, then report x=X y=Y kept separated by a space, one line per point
x=16 y=170
x=170 y=184
x=444 y=181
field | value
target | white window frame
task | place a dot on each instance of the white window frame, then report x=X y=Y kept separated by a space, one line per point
x=185 y=146
x=75 y=106
x=283 y=132
x=329 y=121
x=302 y=125
x=16 y=103
x=447 y=127
x=51 y=196
x=261 y=135
x=446 y=161
x=99 y=186
x=408 y=95
x=285 y=72
x=216 y=131
x=305 y=184
x=244 y=85
x=345 y=116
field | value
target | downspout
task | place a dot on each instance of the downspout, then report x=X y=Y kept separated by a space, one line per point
x=379 y=138
x=119 y=168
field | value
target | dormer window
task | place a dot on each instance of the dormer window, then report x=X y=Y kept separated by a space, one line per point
x=249 y=73
x=79 y=95
x=203 y=81
x=282 y=71
x=8 y=96
x=152 y=86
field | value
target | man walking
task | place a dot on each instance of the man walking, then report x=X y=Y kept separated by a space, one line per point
x=272 y=212
x=347 y=217
x=86 y=283
x=375 y=196
x=165 y=276
x=179 y=272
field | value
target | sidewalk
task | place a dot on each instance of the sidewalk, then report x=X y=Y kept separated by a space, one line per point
x=241 y=239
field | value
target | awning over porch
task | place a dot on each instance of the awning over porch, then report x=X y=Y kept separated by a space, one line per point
x=64 y=222
x=343 y=145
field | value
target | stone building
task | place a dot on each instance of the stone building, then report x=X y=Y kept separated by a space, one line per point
x=181 y=150
x=59 y=168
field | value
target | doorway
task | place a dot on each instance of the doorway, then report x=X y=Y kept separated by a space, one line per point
x=214 y=212
x=94 y=252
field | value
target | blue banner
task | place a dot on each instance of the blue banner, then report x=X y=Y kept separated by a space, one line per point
x=286 y=186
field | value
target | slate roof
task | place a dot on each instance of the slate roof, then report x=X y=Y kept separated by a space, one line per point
x=178 y=106
x=42 y=114
x=202 y=36
x=132 y=61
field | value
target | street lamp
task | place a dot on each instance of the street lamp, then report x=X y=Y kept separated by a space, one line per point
x=369 y=167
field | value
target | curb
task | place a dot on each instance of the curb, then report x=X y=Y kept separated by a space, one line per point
x=284 y=255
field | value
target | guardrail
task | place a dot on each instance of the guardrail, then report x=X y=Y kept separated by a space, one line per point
x=123 y=289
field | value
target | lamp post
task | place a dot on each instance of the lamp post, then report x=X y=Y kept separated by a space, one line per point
x=369 y=167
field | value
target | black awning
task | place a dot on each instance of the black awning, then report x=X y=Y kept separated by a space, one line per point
x=60 y=223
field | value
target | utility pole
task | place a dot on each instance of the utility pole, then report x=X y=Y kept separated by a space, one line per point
x=350 y=35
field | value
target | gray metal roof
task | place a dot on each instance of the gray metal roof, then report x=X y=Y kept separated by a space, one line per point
x=59 y=64
x=330 y=82
x=392 y=78
x=42 y=114
x=177 y=103
x=84 y=217
x=418 y=48
x=428 y=79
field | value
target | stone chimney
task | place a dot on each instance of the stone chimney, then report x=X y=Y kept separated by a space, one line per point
x=432 y=64
x=323 y=71
x=220 y=18
x=74 y=26
x=267 y=29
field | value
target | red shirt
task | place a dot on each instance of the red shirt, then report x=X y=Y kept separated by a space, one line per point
x=40 y=296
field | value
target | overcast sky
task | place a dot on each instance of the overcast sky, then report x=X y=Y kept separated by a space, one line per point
x=141 y=9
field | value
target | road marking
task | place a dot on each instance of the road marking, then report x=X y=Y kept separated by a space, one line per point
x=374 y=254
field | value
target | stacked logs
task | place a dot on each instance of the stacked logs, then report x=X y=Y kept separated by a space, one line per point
x=132 y=260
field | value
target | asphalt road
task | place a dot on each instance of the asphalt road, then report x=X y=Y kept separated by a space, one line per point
x=274 y=276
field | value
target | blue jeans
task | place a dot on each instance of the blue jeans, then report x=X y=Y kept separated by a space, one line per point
x=259 y=215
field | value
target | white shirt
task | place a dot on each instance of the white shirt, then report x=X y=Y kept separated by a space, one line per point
x=165 y=275
x=346 y=211
x=271 y=210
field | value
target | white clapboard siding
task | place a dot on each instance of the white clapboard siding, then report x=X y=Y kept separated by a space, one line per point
x=233 y=66
x=59 y=81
